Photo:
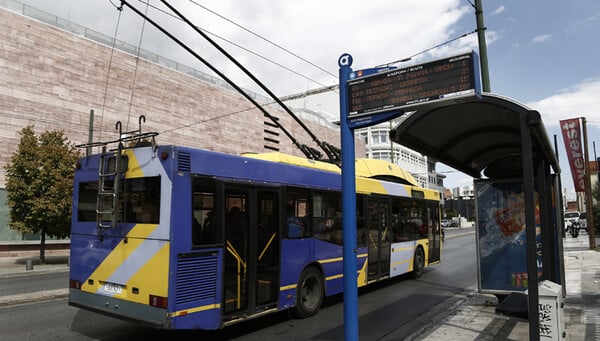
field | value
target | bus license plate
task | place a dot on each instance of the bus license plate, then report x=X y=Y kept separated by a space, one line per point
x=113 y=288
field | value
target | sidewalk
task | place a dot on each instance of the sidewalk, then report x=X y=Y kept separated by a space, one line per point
x=13 y=265
x=475 y=317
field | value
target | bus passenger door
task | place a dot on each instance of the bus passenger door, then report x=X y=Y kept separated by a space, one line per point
x=378 y=238
x=267 y=248
x=236 y=250
x=435 y=233
x=252 y=250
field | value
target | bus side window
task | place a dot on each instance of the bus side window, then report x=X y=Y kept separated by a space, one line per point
x=327 y=217
x=295 y=227
x=361 y=239
x=404 y=227
x=298 y=209
x=204 y=228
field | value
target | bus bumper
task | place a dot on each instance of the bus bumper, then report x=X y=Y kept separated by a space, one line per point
x=109 y=306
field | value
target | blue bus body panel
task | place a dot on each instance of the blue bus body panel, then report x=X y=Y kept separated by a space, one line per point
x=239 y=167
x=331 y=259
x=195 y=295
x=297 y=254
x=90 y=252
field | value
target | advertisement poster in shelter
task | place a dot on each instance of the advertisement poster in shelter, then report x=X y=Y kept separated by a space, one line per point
x=501 y=236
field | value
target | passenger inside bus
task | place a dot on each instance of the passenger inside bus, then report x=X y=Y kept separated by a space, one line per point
x=196 y=231
x=295 y=227
x=148 y=213
x=209 y=234
x=235 y=220
x=203 y=229
x=235 y=227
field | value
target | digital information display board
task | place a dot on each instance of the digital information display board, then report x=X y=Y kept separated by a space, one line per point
x=449 y=78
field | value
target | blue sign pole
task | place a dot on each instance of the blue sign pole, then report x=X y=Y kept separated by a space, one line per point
x=379 y=108
x=348 y=206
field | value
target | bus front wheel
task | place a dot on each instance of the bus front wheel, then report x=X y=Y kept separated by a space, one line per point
x=418 y=263
x=309 y=293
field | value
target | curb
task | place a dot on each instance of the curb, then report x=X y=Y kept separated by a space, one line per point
x=39 y=269
x=40 y=296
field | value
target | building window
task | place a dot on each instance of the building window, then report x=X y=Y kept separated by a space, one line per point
x=364 y=136
x=379 y=136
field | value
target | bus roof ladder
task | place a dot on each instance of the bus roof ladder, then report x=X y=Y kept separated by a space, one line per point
x=108 y=195
x=112 y=166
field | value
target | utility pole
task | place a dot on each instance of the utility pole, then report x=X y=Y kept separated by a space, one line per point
x=589 y=204
x=391 y=145
x=563 y=204
x=88 y=150
x=485 y=76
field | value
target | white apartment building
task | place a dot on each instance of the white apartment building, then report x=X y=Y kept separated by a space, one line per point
x=379 y=146
x=464 y=191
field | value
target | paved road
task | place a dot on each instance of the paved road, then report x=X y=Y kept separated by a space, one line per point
x=389 y=310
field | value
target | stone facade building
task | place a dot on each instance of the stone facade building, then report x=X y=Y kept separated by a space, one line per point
x=54 y=72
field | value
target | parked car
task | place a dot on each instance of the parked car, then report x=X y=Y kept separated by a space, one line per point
x=571 y=217
x=572 y=223
x=445 y=223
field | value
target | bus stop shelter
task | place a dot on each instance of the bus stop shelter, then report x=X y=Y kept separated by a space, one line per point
x=495 y=138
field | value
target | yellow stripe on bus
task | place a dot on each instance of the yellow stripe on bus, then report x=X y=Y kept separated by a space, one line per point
x=288 y=287
x=402 y=262
x=118 y=255
x=362 y=273
x=195 y=310
x=134 y=170
x=151 y=279
x=331 y=278
x=331 y=260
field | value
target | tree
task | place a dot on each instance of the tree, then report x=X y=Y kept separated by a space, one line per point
x=39 y=185
x=451 y=213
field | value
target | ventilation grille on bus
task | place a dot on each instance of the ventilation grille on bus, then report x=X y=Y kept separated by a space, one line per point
x=196 y=277
x=184 y=162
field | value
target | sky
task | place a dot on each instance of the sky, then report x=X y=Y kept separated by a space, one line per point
x=541 y=53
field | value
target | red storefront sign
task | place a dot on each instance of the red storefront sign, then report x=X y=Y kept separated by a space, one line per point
x=571 y=133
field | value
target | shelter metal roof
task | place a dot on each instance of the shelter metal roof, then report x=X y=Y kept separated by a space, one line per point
x=480 y=136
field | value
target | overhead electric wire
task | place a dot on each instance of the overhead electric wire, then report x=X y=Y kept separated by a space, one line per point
x=326 y=88
x=120 y=9
x=332 y=152
x=308 y=153
x=427 y=50
x=137 y=62
x=263 y=38
x=206 y=120
x=248 y=50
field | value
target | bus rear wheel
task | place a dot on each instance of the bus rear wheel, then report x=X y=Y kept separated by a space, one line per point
x=309 y=293
x=418 y=263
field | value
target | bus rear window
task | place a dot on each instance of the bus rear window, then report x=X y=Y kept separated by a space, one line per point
x=139 y=201
x=86 y=205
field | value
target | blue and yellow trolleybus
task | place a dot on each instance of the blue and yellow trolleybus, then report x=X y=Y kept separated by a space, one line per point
x=183 y=238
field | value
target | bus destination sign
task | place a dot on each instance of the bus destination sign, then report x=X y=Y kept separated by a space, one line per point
x=446 y=79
